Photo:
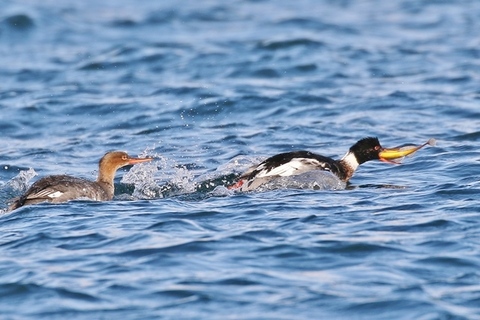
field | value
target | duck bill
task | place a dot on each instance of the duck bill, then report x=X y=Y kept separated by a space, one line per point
x=138 y=160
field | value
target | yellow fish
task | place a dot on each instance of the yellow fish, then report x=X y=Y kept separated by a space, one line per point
x=400 y=152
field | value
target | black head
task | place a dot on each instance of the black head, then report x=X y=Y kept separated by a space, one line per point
x=366 y=149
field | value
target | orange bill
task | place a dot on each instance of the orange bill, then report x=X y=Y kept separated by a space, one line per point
x=138 y=160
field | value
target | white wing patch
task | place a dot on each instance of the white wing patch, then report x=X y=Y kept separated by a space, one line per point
x=293 y=167
x=55 y=194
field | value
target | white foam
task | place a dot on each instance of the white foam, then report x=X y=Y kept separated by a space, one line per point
x=160 y=177
x=21 y=181
x=16 y=186
x=313 y=180
x=239 y=164
x=142 y=176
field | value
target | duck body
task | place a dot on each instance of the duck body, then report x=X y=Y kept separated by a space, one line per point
x=299 y=162
x=63 y=188
x=285 y=165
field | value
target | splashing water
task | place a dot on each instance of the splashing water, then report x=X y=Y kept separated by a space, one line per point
x=159 y=178
x=142 y=177
x=313 y=180
x=20 y=182
x=164 y=177
x=215 y=183
x=17 y=185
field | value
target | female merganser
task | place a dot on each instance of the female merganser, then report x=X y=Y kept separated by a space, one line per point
x=62 y=188
x=298 y=162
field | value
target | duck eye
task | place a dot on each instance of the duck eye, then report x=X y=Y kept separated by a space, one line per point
x=124 y=157
x=377 y=148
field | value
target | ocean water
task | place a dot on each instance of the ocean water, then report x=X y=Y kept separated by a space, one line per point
x=209 y=88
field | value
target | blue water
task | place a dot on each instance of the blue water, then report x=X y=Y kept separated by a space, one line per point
x=208 y=88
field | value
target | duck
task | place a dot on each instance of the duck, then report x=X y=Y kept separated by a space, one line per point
x=63 y=188
x=299 y=162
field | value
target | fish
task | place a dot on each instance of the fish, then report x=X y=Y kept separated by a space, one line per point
x=397 y=154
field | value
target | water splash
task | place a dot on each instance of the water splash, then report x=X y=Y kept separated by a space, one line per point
x=20 y=182
x=159 y=178
x=225 y=175
x=239 y=164
x=142 y=177
x=164 y=177
x=16 y=186
x=313 y=180
x=221 y=191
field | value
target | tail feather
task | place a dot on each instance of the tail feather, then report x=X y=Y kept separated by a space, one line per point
x=15 y=203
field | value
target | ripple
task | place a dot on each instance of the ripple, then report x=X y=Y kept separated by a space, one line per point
x=278 y=45
x=19 y=21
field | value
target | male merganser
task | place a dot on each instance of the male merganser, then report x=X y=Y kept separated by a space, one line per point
x=298 y=162
x=62 y=188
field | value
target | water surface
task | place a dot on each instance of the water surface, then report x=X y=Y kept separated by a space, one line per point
x=209 y=88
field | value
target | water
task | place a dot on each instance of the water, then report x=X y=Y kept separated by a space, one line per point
x=210 y=87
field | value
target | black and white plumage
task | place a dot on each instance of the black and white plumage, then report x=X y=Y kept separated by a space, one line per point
x=298 y=162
